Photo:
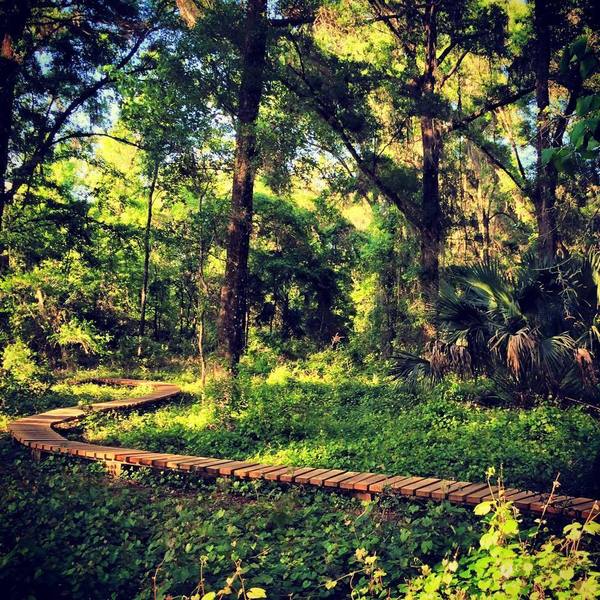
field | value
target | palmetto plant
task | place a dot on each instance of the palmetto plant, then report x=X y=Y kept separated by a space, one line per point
x=534 y=328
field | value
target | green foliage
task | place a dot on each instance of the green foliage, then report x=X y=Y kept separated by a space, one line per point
x=82 y=536
x=579 y=62
x=80 y=334
x=45 y=306
x=18 y=361
x=300 y=269
x=503 y=566
x=507 y=565
x=324 y=414
x=533 y=329
x=24 y=383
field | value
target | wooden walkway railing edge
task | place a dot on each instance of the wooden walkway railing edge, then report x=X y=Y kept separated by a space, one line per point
x=38 y=433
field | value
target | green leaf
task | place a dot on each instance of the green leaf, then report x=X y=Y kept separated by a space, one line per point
x=209 y=596
x=587 y=66
x=489 y=539
x=256 y=592
x=548 y=155
x=578 y=47
x=509 y=527
x=483 y=508
x=592 y=528
x=587 y=104
x=513 y=588
x=567 y=573
x=577 y=133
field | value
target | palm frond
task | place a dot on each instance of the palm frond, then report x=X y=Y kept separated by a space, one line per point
x=585 y=362
x=492 y=284
x=555 y=353
x=460 y=316
x=411 y=368
x=520 y=349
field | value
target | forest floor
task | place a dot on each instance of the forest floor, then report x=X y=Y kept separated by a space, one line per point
x=66 y=527
x=324 y=413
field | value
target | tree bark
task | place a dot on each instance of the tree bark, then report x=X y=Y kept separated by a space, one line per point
x=202 y=301
x=147 y=250
x=544 y=192
x=232 y=313
x=431 y=223
x=12 y=25
x=431 y=218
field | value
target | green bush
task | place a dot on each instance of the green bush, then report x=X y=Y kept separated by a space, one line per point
x=507 y=565
x=19 y=363
x=504 y=566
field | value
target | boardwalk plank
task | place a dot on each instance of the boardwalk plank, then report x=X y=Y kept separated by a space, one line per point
x=460 y=495
x=336 y=480
x=348 y=484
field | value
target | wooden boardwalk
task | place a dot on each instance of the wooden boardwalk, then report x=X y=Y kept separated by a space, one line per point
x=38 y=433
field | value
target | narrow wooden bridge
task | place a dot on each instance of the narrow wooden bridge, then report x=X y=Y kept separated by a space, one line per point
x=38 y=433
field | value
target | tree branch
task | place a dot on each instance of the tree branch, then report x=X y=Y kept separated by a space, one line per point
x=327 y=113
x=292 y=21
x=46 y=138
x=388 y=17
x=453 y=69
x=563 y=120
x=500 y=165
x=87 y=134
x=489 y=107
x=445 y=52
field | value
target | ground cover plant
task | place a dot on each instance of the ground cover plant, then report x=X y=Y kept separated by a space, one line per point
x=287 y=542
x=320 y=414
x=68 y=532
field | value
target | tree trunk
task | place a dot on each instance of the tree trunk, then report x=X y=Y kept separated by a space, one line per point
x=544 y=193
x=147 y=250
x=431 y=216
x=200 y=340
x=202 y=302
x=232 y=313
x=485 y=220
x=156 y=332
x=431 y=227
x=389 y=311
x=12 y=24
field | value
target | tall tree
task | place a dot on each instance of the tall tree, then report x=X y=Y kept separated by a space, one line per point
x=147 y=250
x=14 y=15
x=57 y=59
x=426 y=46
x=232 y=314
x=559 y=60
x=431 y=214
x=545 y=184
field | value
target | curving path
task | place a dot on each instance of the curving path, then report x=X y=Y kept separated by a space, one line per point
x=38 y=433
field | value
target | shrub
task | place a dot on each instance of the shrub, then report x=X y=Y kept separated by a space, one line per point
x=18 y=361
x=509 y=566
x=533 y=329
x=506 y=565
x=79 y=334
x=24 y=383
